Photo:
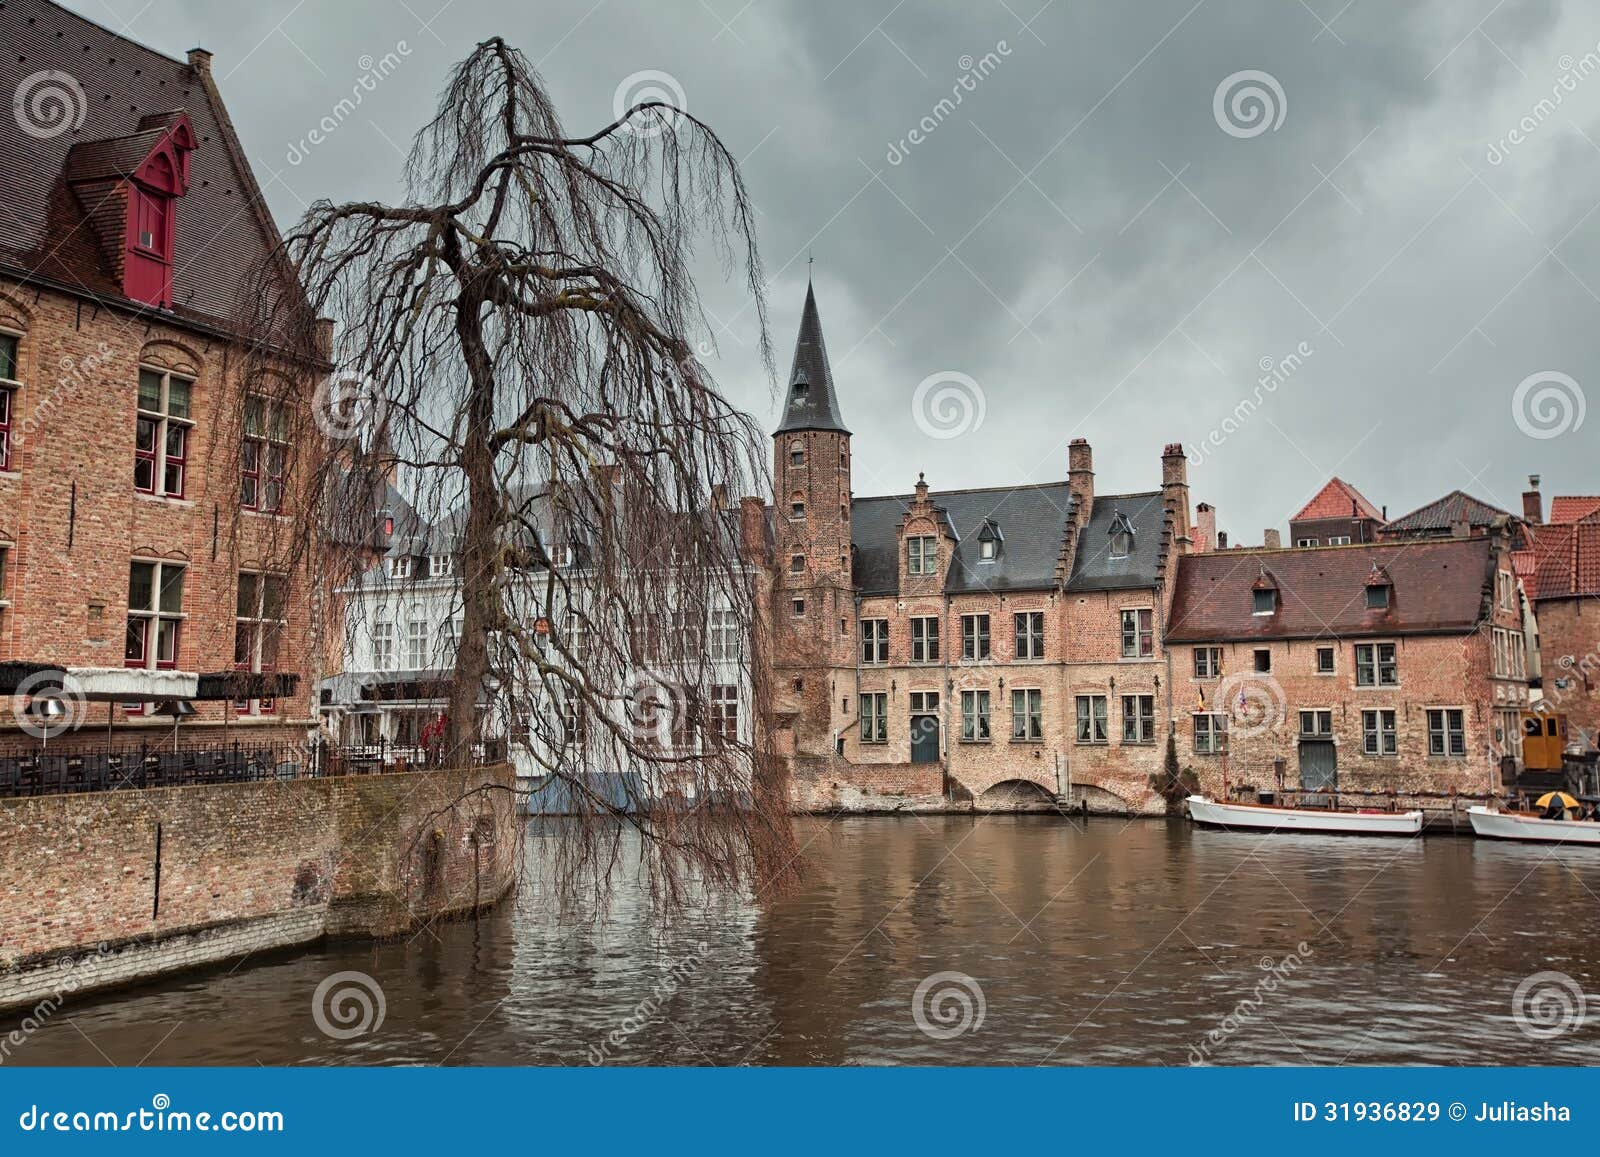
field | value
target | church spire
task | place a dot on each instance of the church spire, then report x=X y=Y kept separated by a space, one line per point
x=811 y=403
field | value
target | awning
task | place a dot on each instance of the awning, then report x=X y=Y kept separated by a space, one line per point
x=129 y=684
x=23 y=677
x=246 y=685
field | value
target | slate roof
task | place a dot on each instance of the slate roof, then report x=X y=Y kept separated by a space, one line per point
x=1438 y=516
x=1334 y=501
x=1439 y=588
x=1031 y=519
x=816 y=407
x=1093 y=568
x=222 y=223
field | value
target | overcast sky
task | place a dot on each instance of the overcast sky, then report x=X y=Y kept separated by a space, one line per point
x=1097 y=240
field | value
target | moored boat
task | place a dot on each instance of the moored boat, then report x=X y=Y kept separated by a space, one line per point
x=1530 y=828
x=1270 y=818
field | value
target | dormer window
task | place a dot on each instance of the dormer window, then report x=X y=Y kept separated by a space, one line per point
x=560 y=555
x=1266 y=601
x=989 y=540
x=922 y=555
x=441 y=566
x=400 y=567
x=1380 y=589
x=1121 y=536
x=799 y=395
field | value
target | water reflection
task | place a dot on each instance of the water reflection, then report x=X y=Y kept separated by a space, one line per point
x=1092 y=942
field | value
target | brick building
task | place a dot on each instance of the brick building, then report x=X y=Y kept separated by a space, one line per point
x=142 y=482
x=1394 y=665
x=999 y=647
x=1561 y=570
x=1337 y=515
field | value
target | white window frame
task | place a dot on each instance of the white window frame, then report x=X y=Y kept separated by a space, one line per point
x=163 y=420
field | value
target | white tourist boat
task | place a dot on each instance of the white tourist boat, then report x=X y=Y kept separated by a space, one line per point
x=1498 y=825
x=1268 y=818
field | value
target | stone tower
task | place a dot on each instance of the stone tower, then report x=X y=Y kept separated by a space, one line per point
x=814 y=613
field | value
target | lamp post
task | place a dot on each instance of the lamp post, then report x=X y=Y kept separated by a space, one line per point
x=179 y=709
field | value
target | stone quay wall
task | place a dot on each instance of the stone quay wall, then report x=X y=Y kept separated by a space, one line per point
x=110 y=888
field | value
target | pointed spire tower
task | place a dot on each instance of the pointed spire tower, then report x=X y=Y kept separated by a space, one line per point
x=815 y=611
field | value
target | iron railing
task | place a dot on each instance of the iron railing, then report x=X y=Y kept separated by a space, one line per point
x=158 y=765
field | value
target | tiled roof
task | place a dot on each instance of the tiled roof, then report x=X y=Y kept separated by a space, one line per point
x=222 y=224
x=1335 y=501
x=1439 y=587
x=1572 y=507
x=1093 y=568
x=1566 y=560
x=1031 y=520
x=814 y=405
x=1439 y=516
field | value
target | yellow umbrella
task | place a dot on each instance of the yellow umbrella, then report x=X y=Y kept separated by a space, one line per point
x=1566 y=800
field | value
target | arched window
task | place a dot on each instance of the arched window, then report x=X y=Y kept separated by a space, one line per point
x=797 y=453
x=797 y=505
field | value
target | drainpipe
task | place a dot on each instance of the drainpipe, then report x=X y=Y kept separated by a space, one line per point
x=944 y=704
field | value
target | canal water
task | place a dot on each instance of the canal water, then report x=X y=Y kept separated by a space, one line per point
x=947 y=940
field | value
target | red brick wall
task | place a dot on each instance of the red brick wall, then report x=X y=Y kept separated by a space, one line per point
x=69 y=506
x=354 y=855
x=1569 y=653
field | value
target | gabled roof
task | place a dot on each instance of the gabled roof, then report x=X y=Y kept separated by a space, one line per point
x=811 y=402
x=1438 y=588
x=1565 y=561
x=1438 y=516
x=1093 y=568
x=129 y=94
x=1031 y=520
x=1573 y=507
x=1338 y=499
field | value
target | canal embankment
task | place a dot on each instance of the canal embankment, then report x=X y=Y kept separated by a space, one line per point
x=110 y=888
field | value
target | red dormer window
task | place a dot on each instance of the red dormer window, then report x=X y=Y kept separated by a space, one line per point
x=153 y=189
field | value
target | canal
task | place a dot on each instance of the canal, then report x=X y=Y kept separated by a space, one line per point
x=1034 y=940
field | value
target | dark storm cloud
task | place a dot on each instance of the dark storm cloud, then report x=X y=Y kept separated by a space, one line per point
x=1077 y=235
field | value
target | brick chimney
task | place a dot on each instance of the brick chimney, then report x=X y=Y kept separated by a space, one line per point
x=1175 y=486
x=1205 y=527
x=200 y=61
x=1532 y=502
x=752 y=529
x=1080 y=475
x=1271 y=539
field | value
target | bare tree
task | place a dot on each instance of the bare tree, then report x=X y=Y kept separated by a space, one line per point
x=518 y=338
